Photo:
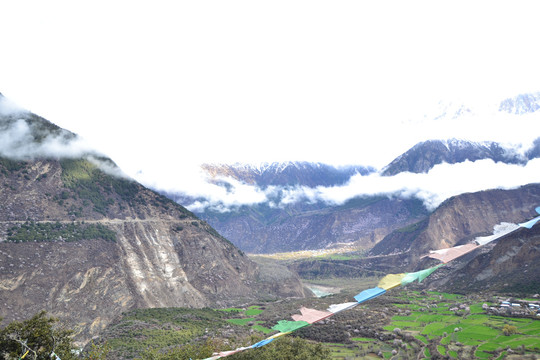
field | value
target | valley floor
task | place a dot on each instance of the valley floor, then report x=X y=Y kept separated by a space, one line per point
x=402 y=324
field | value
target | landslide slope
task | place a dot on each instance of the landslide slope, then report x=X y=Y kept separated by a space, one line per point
x=86 y=245
x=460 y=219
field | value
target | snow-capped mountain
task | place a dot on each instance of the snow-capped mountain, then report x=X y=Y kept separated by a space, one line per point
x=425 y=155
x=287 y=173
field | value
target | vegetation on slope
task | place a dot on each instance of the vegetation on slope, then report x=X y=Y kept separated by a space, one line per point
x=403 y=324
x=179 y=333
x=39 y=232
x=93 y=186
x=8 y=166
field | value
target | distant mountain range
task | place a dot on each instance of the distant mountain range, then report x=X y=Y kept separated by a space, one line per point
x=287 y=173
x=276 y=226
x=365 y=220
x=304 y=225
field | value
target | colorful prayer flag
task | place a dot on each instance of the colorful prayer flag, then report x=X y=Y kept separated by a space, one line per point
x=285 y=326
x=418 y=275
x=335 y=308
x=446 y=255
x=311 y=315
x=369 y=294
x=390 y=281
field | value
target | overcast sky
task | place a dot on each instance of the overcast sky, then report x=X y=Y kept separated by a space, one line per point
x=161 y=86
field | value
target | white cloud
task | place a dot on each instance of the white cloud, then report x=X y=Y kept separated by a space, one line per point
x=442 y=182
x=8 y=107
x=17 y=141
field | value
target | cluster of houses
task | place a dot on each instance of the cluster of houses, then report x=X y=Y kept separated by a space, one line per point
x=518 y=306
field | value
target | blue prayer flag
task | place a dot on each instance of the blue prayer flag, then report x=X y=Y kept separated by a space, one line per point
x=262 y=343
x=369 y=294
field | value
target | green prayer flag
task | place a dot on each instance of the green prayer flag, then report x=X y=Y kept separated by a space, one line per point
x=288 y=326
x=419 y=275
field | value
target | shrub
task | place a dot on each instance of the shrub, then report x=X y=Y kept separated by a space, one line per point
x=509 y=330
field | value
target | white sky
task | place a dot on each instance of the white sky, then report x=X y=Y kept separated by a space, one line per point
x=162 y=85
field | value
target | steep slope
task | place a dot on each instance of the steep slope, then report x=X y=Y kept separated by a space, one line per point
x=425 y=155
x=261 y=229
x=511 y=266
x=87 y=246
x=460 y=219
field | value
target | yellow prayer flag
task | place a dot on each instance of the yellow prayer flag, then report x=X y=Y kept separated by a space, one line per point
x=391 y=281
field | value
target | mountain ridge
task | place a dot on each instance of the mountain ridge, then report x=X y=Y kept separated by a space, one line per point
x=86 y=245
x=423 y=156
x=289 y=173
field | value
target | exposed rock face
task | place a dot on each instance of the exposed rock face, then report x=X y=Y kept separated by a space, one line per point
x=462 y=218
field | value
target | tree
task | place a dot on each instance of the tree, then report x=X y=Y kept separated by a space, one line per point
x=97 y=352
x=38 y=337
x=509 y=330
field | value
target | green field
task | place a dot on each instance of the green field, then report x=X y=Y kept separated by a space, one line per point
x=427 y=329
x=465 y=331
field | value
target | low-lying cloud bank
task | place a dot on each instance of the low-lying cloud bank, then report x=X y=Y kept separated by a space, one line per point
x=18 y=142
x=442 y=182
x=8 y=107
